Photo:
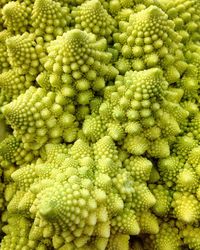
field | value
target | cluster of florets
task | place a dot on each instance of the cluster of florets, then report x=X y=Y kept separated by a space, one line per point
x=99 y=124
x=81 y=194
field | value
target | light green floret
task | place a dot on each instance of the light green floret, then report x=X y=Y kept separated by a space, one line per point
x=106 y=166
x=163 y=199
x=93 y=127
x=13 y=83
x=43 y=80
x=95 y=104
x=187 y=180
x=80 y=149
x=26 y=62
x=192 y=52
x=189 y=82
x=167 y=238
x=38 y=116
x=92 y=17
x=123 y=65
x=25 y=176
x=176 y=110
x=139 y=168
x=105 y=148
x=148 y=223
x=159 y=148
x=49 y=19
x=124 y=14
x=192 y=107
x=51 y=151
x=12 y=206
x=185 y=15
x=8 y=147
x=194 y=159
x=191 y=237
x=16 y=17
x=122 y=10
x=135 y=112
x=143 y=199
x=136 y=145
x=141 y=97
x=4 y=62
x=142 y=86
x=18 y=237
x=125 y=223
x=169 y=127
x=186 y=207
x=116 y=131
x=148 y=40
x=118 y=242
x=28 y=2
x=116 y=5
x=194 y=126
x=71 y=3
x=72 y=208
x=183 y=146
x=68 y=2
x=123 y=183
x=4 y=2
x=169 y=168
x=78 y=65
x=12 y=151
x=25 y=203
x=82 y=197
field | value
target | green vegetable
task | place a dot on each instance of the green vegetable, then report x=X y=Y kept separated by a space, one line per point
x=99 y=124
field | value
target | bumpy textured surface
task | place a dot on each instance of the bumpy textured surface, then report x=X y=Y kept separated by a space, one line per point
x=99 y=125
x=37 y=117
x=148 y=40
x=4 y=62
x=186 y=17
x=136 y=114
x=76 y=61
x=70 y=194
x=23 y=54
x=13 y=83
x=78 y=66
x=167 y=238
x=92 y=17
x=16 y=17
x=12 y=150
x=49 y=19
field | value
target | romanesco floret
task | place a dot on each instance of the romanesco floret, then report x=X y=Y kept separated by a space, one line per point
x=37 y=117
x=49 y=19
x=70 y=193
x=4 y=65
x=25 y=62
x=13 y=83
x=135 y=111
x=148 y=40
x=167 y=238
x=92 y=17
x=185 y=15
x=77 y=62
x=16 y=17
